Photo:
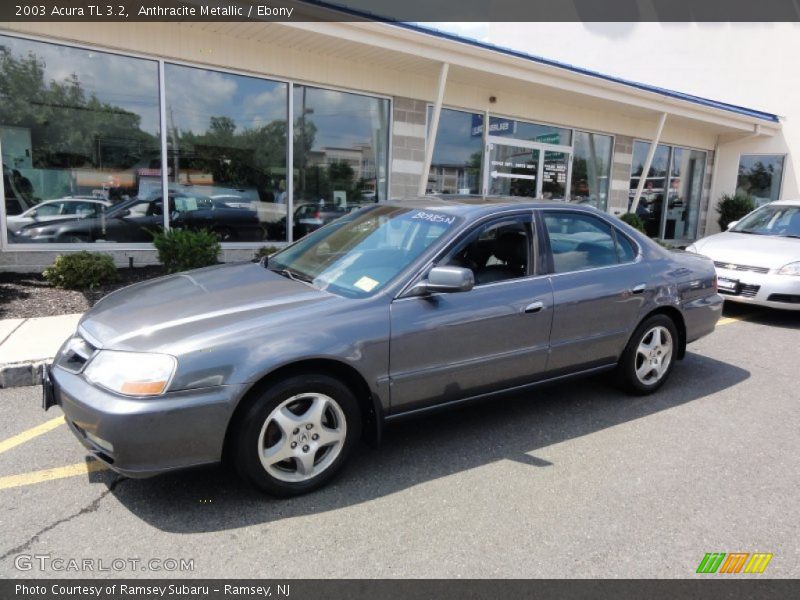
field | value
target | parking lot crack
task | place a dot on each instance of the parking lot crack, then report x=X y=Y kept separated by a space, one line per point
x=89 y=508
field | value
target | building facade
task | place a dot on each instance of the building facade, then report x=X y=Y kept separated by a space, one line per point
x=263 y=131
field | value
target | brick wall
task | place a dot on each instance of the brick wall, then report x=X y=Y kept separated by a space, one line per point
x=620 y=175
x=408 y=146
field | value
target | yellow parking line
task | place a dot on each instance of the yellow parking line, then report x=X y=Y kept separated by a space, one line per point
x=29 y=434
x=728 y=320
x=81 y=468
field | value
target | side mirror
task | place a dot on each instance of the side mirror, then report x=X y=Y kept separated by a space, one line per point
x=732 y=224
x=446 y=280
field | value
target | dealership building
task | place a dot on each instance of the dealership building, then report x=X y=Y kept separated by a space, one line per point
x=263 y=131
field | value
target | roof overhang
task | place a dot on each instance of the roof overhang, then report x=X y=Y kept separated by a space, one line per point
x=426 y=50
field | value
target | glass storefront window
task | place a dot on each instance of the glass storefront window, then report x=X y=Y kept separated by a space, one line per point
x=341 y=145
x=760 y=176
x=456 y=163
x=531 y=132
x=79 y=131
x=591 y=169
x=670 y=201
x=226 y=154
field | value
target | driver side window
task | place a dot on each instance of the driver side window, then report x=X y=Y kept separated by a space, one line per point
x=496 y=251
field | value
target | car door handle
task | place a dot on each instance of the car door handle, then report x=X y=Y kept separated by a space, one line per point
x=534 y=307
x=638 y=289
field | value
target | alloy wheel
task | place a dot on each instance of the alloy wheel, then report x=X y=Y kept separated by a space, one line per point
x=653 y=355
x=302 y=437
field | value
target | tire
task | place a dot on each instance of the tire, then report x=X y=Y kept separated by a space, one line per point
x=654 y=344
x=318 y=414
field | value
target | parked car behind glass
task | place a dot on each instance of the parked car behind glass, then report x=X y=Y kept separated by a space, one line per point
x=61 y=209
x=135 y=221
x=391 y=311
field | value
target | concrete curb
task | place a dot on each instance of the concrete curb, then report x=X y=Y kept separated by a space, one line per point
x=22 y=374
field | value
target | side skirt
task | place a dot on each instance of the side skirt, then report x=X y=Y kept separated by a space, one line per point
x=497 y=394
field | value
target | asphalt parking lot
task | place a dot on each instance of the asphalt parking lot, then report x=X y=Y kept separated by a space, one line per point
x=575 y=480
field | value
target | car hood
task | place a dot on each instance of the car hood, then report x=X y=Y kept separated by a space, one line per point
x=160 y=313
x=768 y=251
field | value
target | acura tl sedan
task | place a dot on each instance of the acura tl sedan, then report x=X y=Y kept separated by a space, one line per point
x=281 y=367
x=758 y=258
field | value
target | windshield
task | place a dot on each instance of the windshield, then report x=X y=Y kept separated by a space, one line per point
x=772 y=220
x=359 y=254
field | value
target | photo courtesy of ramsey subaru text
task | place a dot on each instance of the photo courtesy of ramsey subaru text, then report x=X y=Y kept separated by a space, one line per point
x=282 y=367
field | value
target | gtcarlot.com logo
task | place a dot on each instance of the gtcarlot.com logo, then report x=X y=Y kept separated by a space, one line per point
x=734 y=562
x=48 y=562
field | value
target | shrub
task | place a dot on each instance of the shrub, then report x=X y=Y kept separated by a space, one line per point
x=733 y=207
x=182 y=249
x=265 y=251
x=81 y=271
x=633 y=220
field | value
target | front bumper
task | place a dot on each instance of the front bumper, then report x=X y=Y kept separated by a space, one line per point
x=763 y=289
x=140 y=437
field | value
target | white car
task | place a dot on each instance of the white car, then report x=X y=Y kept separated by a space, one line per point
x=758 y=258
x=61 y=209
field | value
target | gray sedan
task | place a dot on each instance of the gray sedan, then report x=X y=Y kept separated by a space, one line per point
x=395 y=310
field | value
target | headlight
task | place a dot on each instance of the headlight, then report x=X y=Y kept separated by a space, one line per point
x=790 y=269
x=131 y=373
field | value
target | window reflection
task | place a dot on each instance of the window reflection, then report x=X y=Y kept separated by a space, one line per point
x=341 y=145
x=670 y=201
x=226 y=140
x=760 y=176
x=591 y=168
x=77 y=127
x=456 y=163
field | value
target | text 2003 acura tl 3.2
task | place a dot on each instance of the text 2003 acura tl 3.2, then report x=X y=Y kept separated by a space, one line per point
x=398 y=308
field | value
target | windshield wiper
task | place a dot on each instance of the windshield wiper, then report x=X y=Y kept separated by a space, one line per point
x=293 y=275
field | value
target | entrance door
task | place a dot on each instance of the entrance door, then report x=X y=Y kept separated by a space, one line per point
x=530 y=169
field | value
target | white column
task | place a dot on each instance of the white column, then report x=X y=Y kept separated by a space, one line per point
x=431 y=140
x=647 y=163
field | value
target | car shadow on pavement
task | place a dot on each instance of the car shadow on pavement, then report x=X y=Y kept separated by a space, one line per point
x=418 y=450
x=761 y=315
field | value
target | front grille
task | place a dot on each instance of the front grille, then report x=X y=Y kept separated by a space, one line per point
x=748 y=291
x=75 y=355
x=733 y=267
x=788 y=298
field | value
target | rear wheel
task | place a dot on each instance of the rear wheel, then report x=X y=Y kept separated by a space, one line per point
x=649 y=356
x=297 y=435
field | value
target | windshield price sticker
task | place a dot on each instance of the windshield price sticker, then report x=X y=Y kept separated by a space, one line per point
x=433 y=217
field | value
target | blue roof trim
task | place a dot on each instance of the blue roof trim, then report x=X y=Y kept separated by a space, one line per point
x=741 y=110
x=749 y=112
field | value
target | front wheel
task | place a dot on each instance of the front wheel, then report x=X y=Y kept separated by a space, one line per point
x=649 y=356
x=297 y=435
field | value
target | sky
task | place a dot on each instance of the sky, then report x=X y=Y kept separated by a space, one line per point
x=740 y=63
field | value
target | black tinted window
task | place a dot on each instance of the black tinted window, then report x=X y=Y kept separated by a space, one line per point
x=579 y=242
